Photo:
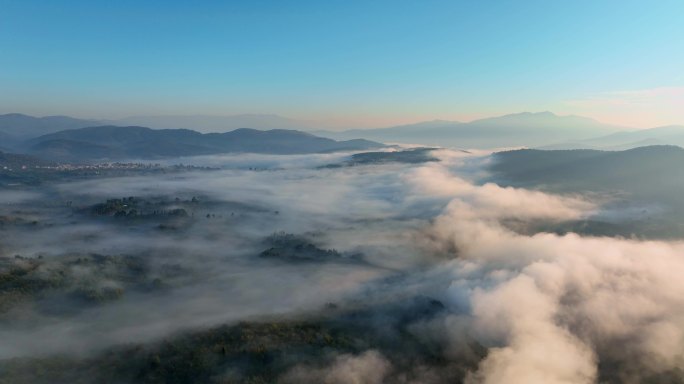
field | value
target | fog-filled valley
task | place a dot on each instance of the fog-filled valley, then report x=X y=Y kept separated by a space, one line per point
x=400 y=265
x=341 y=192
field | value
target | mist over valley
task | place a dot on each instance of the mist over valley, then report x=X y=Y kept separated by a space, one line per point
x=413 y=264
x=356 y=192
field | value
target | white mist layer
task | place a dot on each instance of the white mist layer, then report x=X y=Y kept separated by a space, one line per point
x=548 y=307
x=551 y=306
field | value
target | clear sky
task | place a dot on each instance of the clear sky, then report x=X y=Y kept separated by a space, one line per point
x=345 y=63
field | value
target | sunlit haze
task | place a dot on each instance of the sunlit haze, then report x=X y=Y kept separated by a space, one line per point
x=341 y=192
x=345 y=64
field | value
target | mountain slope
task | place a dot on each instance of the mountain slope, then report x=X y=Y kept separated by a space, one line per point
x=607 y=167
x=111 y=142
x=654 y=172
x=645 y=185
x=521 y=129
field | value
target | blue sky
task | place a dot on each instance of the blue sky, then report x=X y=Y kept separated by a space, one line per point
x=345 y=63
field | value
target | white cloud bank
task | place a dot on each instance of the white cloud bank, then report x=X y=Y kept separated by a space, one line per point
x=551 y=307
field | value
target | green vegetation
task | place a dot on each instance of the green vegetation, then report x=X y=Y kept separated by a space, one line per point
x=408 y=156
x=644 y=185
x=289 y=247
x=85 y=279
x=27 y=171
x=258 y=352
x=135 y=207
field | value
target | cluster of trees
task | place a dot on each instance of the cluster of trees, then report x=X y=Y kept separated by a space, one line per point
x=136 y=207
x=263 y=352
x=408 y=156
x=24 y=279
x=286 y=246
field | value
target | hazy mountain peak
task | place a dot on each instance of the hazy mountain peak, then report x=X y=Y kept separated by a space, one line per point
x=512 y=130
x=544 y=116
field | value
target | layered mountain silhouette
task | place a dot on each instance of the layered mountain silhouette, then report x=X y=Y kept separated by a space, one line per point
x=17 y=126
x=668 y=135
x=112 y=143
x=520 y=129
x=543 y=130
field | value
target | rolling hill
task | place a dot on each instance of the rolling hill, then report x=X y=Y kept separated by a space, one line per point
x=647 y=168
x=645 y=185
x=112 y=143
x=653 y=173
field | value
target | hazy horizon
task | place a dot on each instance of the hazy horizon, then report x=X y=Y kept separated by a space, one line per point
x=419 y=192
x=311 y=125
x=345 y=66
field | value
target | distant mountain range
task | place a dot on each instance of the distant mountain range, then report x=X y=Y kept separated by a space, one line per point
x=669 y=135
x=543 y=130
x=17 y=126
x=520 y=129
x=113 y=143
x=65 y=138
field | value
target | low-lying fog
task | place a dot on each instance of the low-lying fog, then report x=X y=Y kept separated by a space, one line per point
x=263 y=236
